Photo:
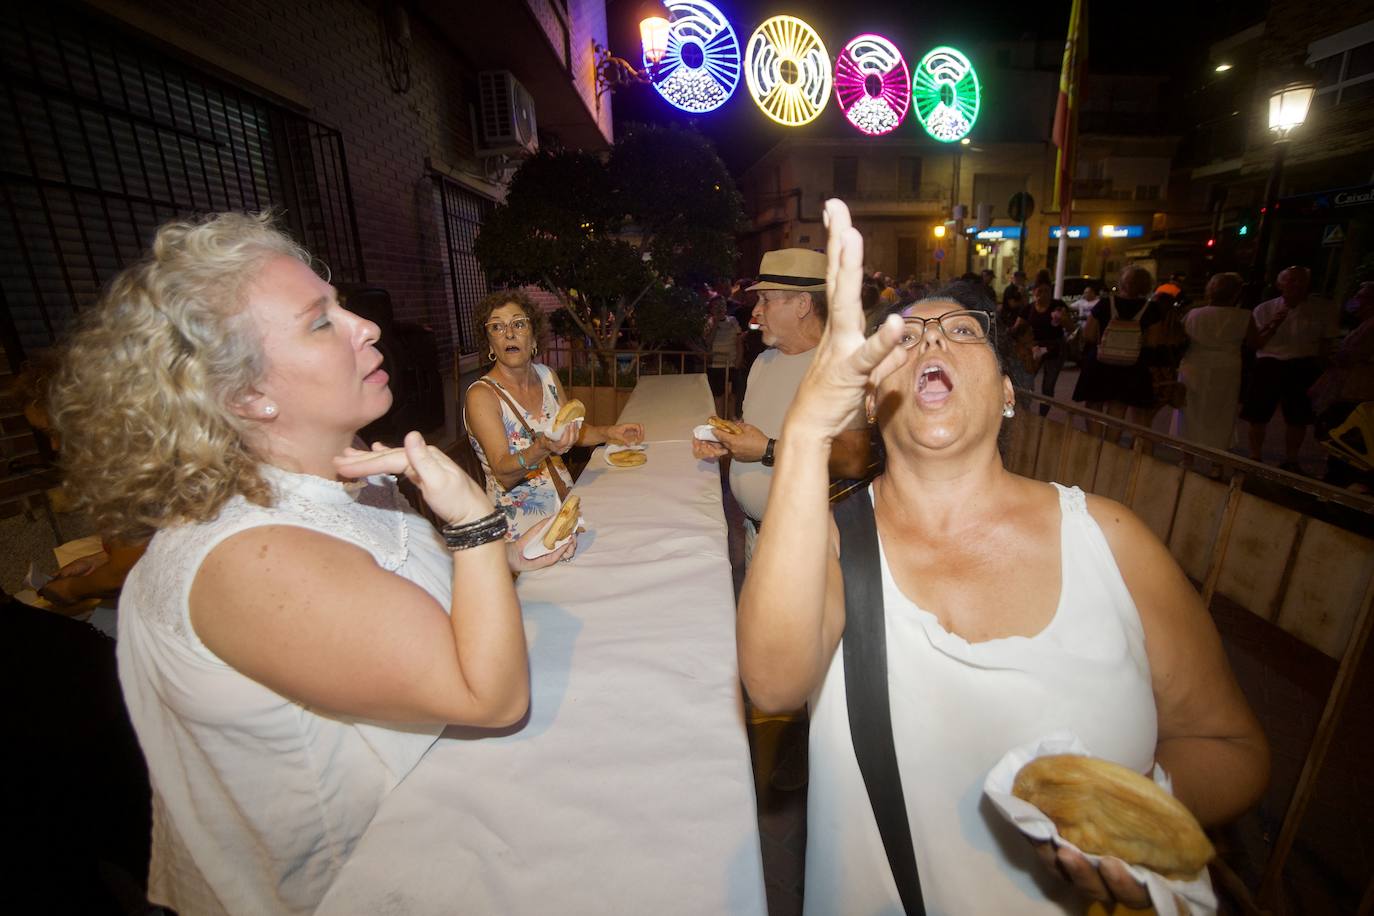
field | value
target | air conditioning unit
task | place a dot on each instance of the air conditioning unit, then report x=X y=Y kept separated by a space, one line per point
x=507 y=115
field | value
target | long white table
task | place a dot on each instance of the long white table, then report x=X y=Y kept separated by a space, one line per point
x=629 y=789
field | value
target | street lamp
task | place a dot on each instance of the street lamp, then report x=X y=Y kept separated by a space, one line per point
x=939 y=231
x=653 y=36
x=1288 y=106
x=614 y=73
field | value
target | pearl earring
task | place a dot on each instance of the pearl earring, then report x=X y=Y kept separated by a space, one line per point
x=270 y=410
x=1008 y=410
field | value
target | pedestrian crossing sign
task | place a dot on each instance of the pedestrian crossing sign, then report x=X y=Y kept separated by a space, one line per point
x=1333 y=234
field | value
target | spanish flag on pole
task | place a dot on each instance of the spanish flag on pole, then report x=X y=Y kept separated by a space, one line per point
x=1065 y=133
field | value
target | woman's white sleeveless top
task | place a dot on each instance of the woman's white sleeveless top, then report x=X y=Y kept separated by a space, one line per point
x=257 y=800
x=957 y=708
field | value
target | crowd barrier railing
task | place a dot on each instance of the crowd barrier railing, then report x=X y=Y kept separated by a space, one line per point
x=1294 y=551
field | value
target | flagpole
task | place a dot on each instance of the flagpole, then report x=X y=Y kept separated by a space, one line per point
x=1060 y=260
x=1065 y=134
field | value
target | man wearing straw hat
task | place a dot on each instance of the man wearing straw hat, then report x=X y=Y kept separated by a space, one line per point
x=791 y=314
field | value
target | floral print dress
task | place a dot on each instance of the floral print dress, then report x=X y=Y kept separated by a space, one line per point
x=535 y=497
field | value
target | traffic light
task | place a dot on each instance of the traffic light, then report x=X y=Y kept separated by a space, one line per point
x=1211 y=243
x=1243 y=231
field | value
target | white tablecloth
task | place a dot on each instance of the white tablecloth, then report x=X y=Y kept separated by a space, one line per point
x=629 y=789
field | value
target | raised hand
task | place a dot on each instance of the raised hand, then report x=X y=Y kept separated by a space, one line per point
x=449 y=491
x=846 y=365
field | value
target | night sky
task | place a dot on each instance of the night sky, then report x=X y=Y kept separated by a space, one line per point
x=1169 y=37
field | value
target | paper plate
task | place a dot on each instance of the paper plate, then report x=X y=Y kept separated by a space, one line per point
x=705 y=432
x=610 y=450
x=536 y=549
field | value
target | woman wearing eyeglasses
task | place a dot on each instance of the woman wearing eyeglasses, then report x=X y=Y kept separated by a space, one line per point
x=1013 y=609
x=509 y=415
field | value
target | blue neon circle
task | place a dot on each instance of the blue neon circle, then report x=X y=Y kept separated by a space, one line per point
x=709 y=85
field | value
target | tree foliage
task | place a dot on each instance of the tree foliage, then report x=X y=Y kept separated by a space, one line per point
x=604 y=233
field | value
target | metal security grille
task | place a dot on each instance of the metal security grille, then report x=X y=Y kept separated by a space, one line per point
x=463 y=212
x=102 y=139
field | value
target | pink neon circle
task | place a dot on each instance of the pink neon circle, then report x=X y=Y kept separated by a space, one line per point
x=873 y=112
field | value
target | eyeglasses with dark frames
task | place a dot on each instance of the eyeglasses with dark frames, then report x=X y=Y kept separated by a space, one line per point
x=959 y=326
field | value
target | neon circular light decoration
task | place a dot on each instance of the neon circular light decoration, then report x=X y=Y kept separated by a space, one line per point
x=787 y=70
x=946 y=94
x=872 y=85
x=700 y=69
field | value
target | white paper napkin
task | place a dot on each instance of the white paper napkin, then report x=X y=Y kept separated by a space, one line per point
x=706 y=432
x=536 y=549
x=1031 y=821
x=557 y=431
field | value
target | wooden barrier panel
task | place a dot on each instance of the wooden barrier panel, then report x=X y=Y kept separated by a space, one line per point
x=1331 y=575
x=1047 y=461
x=1113 y=472
x=1156 y=494
x=1257 y=557
x=1078 y=466
x=1200 y=506
x=1025 y=438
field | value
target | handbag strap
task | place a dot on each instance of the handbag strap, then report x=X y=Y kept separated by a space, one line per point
x=558 y=484
x=866 y=692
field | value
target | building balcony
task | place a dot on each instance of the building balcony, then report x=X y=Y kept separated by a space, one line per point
x=925 y=200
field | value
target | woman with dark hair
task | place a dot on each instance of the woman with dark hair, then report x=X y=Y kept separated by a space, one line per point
x=509 y=415
x=1118 y=650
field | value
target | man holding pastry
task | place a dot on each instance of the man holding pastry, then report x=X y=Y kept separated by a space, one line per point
x=791 y=314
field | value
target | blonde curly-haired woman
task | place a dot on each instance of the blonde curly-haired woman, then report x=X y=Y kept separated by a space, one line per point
x=296 y=635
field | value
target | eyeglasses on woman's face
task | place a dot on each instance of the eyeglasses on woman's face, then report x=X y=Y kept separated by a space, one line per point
x=960 y=326
x=497 y=328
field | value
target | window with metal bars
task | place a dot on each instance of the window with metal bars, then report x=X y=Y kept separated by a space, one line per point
x=462 y=212
x=103 y=138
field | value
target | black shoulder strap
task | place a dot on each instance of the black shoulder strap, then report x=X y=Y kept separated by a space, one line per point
x=866 y=694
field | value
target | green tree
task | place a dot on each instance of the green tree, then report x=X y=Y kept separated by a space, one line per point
x=605 y=233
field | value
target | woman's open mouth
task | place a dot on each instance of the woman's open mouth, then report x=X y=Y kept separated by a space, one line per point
x=512 y=348
x=933 y=385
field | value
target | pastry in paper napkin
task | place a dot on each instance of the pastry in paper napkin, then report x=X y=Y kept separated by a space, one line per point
x=574 y=412
x=536 y=549
x=1196 y=891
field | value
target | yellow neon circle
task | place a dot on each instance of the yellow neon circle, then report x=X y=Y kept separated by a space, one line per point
x=788 y=70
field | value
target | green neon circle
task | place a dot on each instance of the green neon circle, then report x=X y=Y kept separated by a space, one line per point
x=941 y=73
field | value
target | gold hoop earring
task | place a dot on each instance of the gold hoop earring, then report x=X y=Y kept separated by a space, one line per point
x=534 y=351
x=491 y=355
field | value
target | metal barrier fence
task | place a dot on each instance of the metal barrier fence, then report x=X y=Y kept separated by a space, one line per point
x=1308 y=571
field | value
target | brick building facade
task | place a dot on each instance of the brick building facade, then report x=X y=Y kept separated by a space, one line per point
x=360 y=117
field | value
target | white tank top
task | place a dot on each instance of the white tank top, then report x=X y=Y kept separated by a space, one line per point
x=257 y=800
x=957 y=708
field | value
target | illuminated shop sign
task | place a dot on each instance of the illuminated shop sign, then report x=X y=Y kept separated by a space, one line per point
x=1075 y=232
x=1122 y=232
x=996 y=233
